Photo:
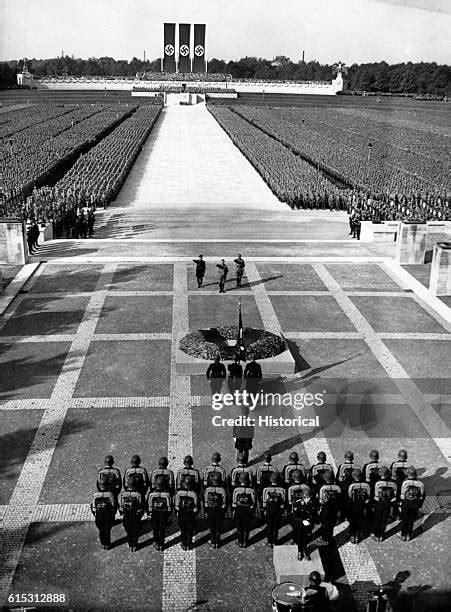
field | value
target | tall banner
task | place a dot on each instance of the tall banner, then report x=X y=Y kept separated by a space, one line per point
x=169 y=48
x=199 y=48
x=184 y=48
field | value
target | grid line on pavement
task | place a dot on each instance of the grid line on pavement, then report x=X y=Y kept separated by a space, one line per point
x=179 y=566
x=19 y=512
x=357 y=561
x=412 y=396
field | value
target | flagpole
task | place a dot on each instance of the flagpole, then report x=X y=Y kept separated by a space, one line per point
x=240 y=340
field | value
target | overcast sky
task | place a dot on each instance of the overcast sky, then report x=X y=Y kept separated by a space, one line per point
x=328 y=30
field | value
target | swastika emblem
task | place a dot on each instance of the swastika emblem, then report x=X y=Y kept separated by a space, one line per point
x=199 y=50
x=169 y=50
x=184 y=50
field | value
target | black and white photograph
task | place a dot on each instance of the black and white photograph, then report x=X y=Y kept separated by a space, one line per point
x=225 y=305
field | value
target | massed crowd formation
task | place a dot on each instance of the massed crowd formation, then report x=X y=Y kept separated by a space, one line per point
x=314 y=163
x=93 y=181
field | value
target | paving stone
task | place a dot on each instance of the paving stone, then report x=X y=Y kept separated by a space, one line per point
x=395 y=314
x=125 y=369
x=135 y=315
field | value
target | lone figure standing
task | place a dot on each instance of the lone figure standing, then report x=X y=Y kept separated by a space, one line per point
x=200 y=270
x=240 y=265
x=223 y=271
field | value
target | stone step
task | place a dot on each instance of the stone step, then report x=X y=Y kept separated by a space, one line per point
x=289 y=569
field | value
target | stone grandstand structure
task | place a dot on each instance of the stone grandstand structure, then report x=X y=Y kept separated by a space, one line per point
x=240 y=85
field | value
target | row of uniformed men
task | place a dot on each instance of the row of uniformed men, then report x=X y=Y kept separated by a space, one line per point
x=376 y=492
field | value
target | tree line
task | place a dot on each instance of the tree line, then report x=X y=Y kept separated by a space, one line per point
x=411 y=78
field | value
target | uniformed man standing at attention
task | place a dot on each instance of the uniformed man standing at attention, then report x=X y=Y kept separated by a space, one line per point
x=304 y=516
x=223 y=271
x=216 y=374
x=273 y=502
x=103 y=507
x=214 y=469
x=235 y=375
x=243 y=505
x=384 y=499
x=200 y=270
x=166 y=474
x=136 y=477
x=131 y=507
x=412 y=498
x=263 y=475
x=236 y=472
x=287 y=472
x=398 y=474
x=159 y=508
x=358 y=502
x=109 y=478
x=330 y=500
x=317 y=471
x=188 y=470
x=187 y=508
x=371 y=470
x=253 y=375
x=215 y=505
x=345 y=474
x=240 y=265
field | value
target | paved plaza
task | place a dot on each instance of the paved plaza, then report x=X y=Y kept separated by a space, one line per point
x=88 y=367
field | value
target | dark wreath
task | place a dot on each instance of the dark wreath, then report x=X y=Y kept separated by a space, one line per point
x=208 y=343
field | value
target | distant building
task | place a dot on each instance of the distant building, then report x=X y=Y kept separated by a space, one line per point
x=280 y=60
x=24 y=76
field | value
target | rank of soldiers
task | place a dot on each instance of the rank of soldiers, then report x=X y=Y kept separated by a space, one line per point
x=367 y=497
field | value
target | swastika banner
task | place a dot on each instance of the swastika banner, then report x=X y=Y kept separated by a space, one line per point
x=169 y=48
x=184 y=47
x=199 y=48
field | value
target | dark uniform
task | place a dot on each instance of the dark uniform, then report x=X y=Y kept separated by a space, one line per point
x=240 y=265
x=166 y=475
x=358 y=499
x=263 y=476
x=317 y=471
x=412 y=498
x=344 y=475
x=136 y=477
x=253 y=375
x=33 y=237
x=132 y=509
x=371 y=470
x=200 y=270
x=109 y=478
x=243 y=505
x=216 y=373
x=91 y=221
x=330 y=501
x=243 y=436
x=384 y=498
x=316 y=598
x=215 y=470
x=235 y=376
x=241 y=468
x=273 y=503
x=304 y=515
x=187 y=507
x=188 y=470
x=398 y=471
x=103 y=507
x=289 y=468
x=159 y=508
x=223 y=271
x=215 y=505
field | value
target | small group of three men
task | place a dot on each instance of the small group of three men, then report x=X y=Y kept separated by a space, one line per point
x=222 y=269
